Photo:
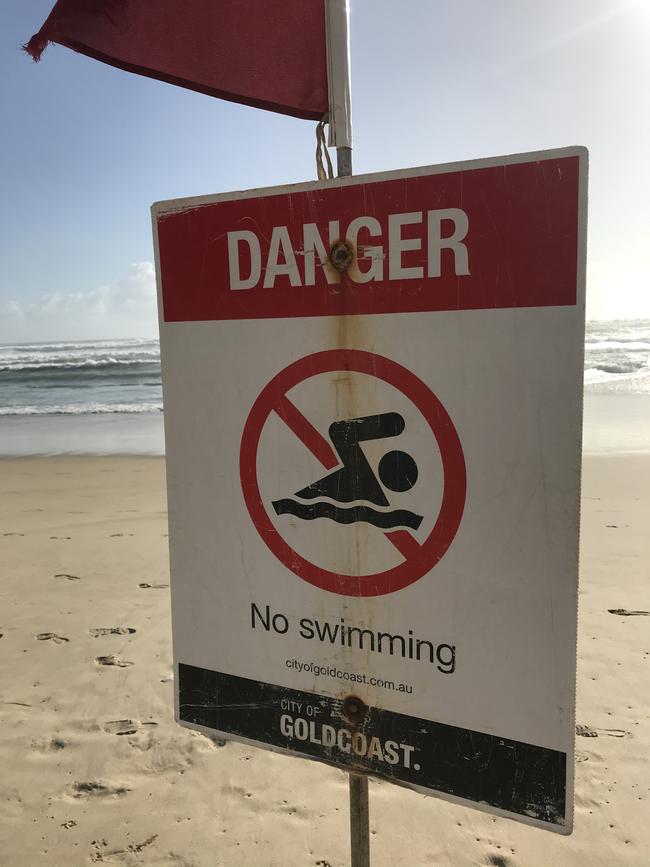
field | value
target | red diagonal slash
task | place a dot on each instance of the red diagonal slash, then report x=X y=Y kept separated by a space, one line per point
x=306 y=432
x=404 y=542
x=323 y=451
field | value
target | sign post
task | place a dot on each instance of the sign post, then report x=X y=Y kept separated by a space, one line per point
x=373 y=432
x=359 y=821
x=338 y=73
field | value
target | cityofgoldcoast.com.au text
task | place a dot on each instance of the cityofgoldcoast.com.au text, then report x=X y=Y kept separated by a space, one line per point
x=347 y=676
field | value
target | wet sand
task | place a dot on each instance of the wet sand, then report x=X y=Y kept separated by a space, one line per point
x=614 y=423
x=94 y=769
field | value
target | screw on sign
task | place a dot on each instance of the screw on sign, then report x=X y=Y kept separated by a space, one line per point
x=351 y=477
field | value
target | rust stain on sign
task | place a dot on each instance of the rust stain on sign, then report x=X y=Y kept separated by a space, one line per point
x=355 y=395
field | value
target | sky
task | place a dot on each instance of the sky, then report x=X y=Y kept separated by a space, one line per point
x=85 y=148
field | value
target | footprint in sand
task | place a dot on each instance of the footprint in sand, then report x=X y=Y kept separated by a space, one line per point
x=112 y=660
x=49 y=745
x=111 y=630
x=623 y=612
x=104 y=853
x=584 y=731
x=68 y=576
x=97 y=790
x=146 y=586
x=125 y=726
x=52 y=636
x=495 y=860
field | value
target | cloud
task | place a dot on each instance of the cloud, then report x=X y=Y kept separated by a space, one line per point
x=127 y=309
x=137 y=291
x=72 y=303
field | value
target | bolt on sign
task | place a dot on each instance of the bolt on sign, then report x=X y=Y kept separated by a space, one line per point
x=373 y=408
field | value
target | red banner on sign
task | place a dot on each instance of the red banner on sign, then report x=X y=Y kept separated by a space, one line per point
x=490 y=237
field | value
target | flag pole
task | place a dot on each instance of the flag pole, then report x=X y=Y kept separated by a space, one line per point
x=338 y=80
x=340 y=137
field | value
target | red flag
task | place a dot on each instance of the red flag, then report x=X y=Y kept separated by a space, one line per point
x=265 y=53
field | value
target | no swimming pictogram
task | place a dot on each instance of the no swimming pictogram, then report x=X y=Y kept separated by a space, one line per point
x=350 y=492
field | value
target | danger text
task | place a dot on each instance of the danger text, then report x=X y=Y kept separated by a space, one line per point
x=404 y=246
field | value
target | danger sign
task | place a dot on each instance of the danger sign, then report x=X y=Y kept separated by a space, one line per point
x=352 y=480
x=373 y=424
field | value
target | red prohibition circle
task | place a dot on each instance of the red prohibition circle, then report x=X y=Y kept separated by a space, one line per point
x=418 y=558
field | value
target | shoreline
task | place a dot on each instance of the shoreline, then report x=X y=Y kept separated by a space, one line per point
x=84 y=434
x=614 y=423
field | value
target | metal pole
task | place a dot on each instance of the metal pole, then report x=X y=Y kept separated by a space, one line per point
x=359 y=822
x=338 y=82
x=359 y=814
x=340 y=137
x=344 y=162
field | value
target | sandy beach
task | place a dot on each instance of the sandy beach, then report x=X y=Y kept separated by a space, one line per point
x=95 y=770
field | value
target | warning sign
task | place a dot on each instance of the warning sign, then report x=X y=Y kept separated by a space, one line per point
x=373 y=473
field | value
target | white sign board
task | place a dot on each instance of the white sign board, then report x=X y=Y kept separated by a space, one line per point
x=374 y=473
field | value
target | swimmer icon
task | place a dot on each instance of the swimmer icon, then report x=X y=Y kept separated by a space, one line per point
x=355 y=480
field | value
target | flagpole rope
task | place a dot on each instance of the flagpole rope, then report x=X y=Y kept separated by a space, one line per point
x=321 y=148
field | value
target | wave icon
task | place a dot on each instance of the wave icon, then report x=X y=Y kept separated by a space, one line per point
x=323 y=509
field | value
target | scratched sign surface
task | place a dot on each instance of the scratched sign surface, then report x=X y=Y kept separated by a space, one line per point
x=373 y=407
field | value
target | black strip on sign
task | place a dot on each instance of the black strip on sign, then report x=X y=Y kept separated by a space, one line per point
x=510 y=775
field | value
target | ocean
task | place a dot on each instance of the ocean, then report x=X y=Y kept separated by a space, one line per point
x=617 y=356
x=105 y=396
x=90 y=377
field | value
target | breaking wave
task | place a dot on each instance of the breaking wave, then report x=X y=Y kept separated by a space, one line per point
x=630 y=366
x=80 y=409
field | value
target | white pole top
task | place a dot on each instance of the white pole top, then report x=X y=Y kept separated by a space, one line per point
x=338 y=73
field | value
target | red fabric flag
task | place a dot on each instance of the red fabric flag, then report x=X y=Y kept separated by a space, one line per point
x=265 y=53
